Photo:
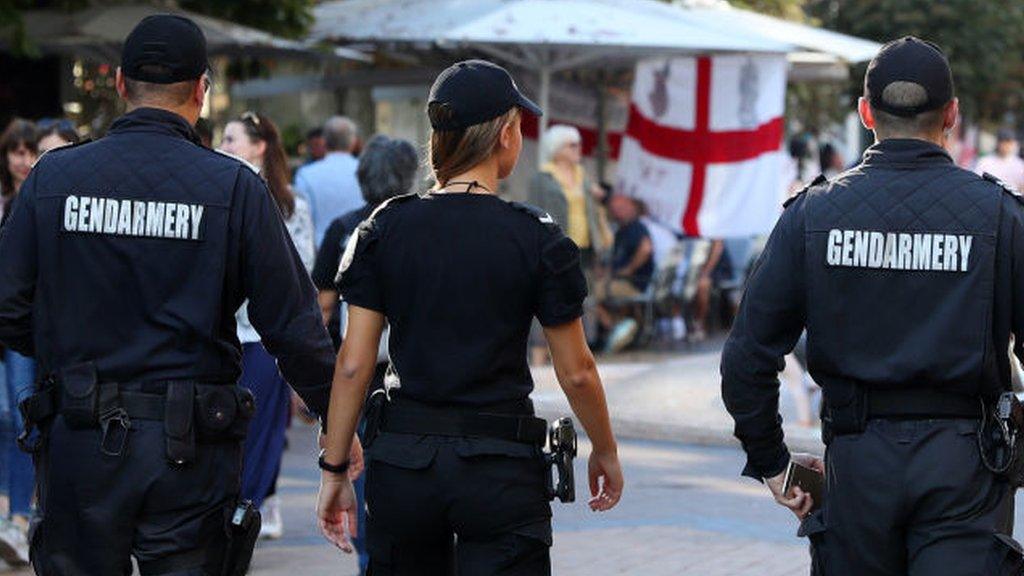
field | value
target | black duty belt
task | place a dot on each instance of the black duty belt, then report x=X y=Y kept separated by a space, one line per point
x=138 y=405
x=403 y=418
x=921 y=403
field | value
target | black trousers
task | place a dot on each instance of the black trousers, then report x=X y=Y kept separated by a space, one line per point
x=441 y=506
x=912 y=498
x=96 y=511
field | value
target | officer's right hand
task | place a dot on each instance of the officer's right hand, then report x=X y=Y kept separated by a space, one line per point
x=606 y=480
x=337 y=510
x=798 y=501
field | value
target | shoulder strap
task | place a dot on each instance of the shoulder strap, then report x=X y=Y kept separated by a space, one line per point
x=1006 y=187
x=541 y=216
x=817 y=181
x=366 y=225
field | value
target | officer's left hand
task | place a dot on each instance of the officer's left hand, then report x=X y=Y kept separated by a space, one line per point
x=356 y=463
x=337 y=510
x=798 y=501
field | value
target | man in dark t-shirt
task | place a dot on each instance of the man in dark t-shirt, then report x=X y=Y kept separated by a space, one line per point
x=632 y=267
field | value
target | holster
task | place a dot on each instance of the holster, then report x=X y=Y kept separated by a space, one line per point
x=1001 y=439
x=373 y=416
x=243 y=528
x=562 y=446
x=844 y=409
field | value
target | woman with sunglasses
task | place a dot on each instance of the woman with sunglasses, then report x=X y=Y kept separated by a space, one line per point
x=455 y=471
x=254 y=138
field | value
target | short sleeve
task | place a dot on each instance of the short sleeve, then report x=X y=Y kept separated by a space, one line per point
x=358 y=280
x=562 y=285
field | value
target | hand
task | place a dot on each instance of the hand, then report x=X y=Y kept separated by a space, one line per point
x=356 y=464
x=605 y=474
x=336 y=510
x=798 y=501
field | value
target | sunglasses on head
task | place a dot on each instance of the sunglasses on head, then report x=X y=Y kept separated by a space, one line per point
x=47 y=124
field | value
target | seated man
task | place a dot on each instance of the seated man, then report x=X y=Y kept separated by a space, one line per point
x=631 y=269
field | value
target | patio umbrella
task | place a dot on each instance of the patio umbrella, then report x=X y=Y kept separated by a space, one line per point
x=97 y=34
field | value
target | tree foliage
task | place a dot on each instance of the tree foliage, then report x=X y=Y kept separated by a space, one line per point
x=982 y=38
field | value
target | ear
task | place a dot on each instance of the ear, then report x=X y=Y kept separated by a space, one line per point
x=261 y=147
x=199 y=93
x=951 y=115
x=122 y=90
x=506 y=137
x=867 y=117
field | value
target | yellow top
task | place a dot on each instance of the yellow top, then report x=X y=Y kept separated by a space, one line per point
x=577 y=228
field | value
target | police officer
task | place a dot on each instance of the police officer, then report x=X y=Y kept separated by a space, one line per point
x=907 y=272
x=459 y=274
x=123 y=264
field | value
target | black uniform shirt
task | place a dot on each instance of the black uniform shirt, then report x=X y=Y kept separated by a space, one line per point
x=135 y=251
x=460 y=277
x=906 y=271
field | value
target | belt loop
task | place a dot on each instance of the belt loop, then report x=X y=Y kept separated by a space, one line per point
x=178 y=422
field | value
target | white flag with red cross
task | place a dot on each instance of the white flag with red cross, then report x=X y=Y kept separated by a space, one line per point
x=703 y=145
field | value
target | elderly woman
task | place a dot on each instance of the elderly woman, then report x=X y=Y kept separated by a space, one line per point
x=387 y=168
x=562 y=190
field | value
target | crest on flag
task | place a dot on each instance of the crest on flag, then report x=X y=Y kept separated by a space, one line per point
x=703 y=143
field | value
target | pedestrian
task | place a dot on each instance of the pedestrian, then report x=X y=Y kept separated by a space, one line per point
x=455 y=479
x=19 y=149
x=54 y=133
x=1006 y=163
x=316 y=148
x=631 y=270
x=329 y=184
x=387 y=168
x=906 y=272
x=124 y=262
x=254 y=138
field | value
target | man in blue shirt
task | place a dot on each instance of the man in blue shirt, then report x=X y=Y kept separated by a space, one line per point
x=632 y=267
x=330 y=184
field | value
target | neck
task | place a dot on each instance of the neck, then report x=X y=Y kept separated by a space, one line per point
x=485 y=175
x=939 y=139
x=563 y=164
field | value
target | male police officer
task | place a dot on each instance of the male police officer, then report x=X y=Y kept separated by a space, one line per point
x=123 y=264
x=908 y=274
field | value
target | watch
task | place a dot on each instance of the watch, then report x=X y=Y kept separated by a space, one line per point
x=332 y=468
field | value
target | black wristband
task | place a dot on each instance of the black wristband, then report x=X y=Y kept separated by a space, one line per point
x=332 y=468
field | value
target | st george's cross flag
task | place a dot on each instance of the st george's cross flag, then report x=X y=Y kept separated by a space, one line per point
x=703 y=143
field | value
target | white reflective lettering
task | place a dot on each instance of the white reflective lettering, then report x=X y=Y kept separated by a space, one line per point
x=71 y=213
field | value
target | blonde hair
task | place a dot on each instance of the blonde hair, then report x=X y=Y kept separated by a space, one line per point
x=556 y=137
x=453 y=152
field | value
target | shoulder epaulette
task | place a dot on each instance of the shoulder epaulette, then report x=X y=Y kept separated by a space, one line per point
x=61 y=148
x=817 y=181
x=541 y=216
x=366 y=226
x=244 y=162
x=1006 y=187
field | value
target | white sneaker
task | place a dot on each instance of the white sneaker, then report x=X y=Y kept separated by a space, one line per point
x=622 y=335
x=13 y=544
x=272 y=527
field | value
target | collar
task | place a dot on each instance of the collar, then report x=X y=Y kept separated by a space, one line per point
x=905 y=151
x=155 y=120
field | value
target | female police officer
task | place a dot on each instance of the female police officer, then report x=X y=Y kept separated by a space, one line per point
x=459 y=274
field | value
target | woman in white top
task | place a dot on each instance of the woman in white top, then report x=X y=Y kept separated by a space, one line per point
x=254 y=138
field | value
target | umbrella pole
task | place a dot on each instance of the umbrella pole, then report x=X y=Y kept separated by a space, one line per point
x=545 y=101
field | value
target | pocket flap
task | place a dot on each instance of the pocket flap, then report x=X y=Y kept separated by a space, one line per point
x=401 y=451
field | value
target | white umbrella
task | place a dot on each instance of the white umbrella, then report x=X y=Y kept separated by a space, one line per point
x=542 y=35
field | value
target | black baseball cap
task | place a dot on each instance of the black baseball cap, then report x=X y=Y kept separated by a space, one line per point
x=913 y=60
x=476 y=91
x=164 y=49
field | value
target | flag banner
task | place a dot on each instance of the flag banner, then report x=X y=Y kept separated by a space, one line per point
x=703 y=143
